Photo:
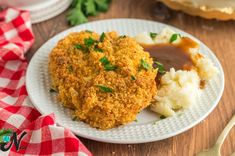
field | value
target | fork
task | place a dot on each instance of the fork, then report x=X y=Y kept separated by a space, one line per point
x=215 y=150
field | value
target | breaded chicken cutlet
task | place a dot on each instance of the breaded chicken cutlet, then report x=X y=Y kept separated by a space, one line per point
x=107 y=79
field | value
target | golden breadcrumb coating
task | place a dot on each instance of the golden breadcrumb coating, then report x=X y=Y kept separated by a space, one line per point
x=78 y=73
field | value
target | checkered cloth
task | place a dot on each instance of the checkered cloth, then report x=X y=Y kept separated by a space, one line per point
x=42 y=137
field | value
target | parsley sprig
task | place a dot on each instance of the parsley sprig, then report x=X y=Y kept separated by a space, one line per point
x=144 y=65
x=160 y=67
x=107 y=65
x=52 y=90
x=70 y=68
x=174 y=37
x=122 y=36
x=104 y=88
x=76 y=15
x=162 y=117
x=81 y=9
x=133 y=77
x=88 y=44
x=96 y=48
x=152 y=35
x=79 y=46
x=102 y=36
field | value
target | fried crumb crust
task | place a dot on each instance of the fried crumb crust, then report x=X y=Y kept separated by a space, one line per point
x=75 y=74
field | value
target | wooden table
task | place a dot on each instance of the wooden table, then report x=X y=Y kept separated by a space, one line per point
x=219 y=36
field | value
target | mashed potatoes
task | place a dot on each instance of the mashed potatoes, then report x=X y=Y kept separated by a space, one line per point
x=179 y=89
x=106 y=79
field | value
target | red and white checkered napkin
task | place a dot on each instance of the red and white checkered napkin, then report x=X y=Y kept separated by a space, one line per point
x=42 y=137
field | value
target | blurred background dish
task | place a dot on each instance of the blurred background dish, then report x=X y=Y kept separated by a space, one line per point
x=210 y=9
x=40 y=10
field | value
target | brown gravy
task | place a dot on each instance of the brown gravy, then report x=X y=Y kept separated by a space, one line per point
x=172 y=55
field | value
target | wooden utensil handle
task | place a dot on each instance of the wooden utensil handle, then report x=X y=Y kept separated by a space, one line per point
x=225 y=132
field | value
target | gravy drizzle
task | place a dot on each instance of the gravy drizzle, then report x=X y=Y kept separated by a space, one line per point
x=172 y=55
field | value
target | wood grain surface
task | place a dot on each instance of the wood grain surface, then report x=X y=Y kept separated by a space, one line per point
x=219 y=36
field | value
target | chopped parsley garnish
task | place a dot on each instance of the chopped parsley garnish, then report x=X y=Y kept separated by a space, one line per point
x=70 y=68
x=74 y=118
x=133 y=77
x=144 y=64
x=104 y=60
x=102 y=36
x=160 y=67
x=99 y=50
x=107 y=65
x=122 y=36
x=89 y=42
x=88 y=31
x=174 y=37
x=52 y=90
x=152 y=35
x=76 y=16
x=105 y=89
x=81 y=9
x=110 y=67
x=79 y=46
x=96 y=48
x=162 y=117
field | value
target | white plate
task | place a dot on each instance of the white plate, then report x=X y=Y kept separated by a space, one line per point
x=144 y=130
x=40 y=10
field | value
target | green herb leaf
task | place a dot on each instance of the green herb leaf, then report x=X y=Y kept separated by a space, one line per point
x=162 y=117
x=90 y=8
x=102 y=36
x=70 y=68
x=133 y=77
x=174 y=37
x=107 y=65
x=96 y=48
x=160 y=67
x=102 y=5
x=144 y=64
x=122 y=36
x=136 y=120
x=79 y=46
x=105 y=89
x=52 y=90
x=88 y=31
x=74 y=118
x=81 y=9
x=152 y=35
x=110 y=67
x=74 y=3
x=75 y=15
x=104 y=60
x=89 y=42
